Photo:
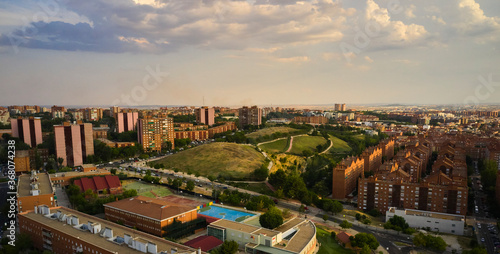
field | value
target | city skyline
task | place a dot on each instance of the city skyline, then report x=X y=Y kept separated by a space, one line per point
x=264 y=52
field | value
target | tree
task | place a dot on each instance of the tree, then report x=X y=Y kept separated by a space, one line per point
x=60 y=161
x=113 y=171
x=272 y=218
x=398 y=223
x=431 y=242
x=337 y=207
x=476 y=250
x=190 y=185
x=345 y=224
x=228 y=247
x=333 y=234
x=325 y=217
x=363 y=240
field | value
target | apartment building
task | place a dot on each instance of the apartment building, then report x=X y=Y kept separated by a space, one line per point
x=346 y=175
x=126 y=121
x=93 y=114
x=395 y=185
x=67 y=231
x=4 y=116
x=148 y=214
x=372 y=157
x=29 y=130
x=205 y=115
x=340 y=107
x=154 y=133
x=74 y=142
x=193 y=135
x=34 y=189
x=228 y=126
x=26 y=160
x=314 y=120
x=250 y=116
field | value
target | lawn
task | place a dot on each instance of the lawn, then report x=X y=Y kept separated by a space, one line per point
x=226 y=159
x=277 y=146
x=302 y=143
x=269 y=131
x=339 y=145
x=144 y=189
x=328 y=244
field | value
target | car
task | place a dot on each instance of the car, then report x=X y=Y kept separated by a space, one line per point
x=482 y=239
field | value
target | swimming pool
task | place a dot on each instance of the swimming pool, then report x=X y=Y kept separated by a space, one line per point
x=225 y=213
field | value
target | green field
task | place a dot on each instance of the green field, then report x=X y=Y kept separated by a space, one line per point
x=277 y=146
x=339 y=145
x=144 y=189
x=227 y=159
x=269 y=131
x=302 y=143
x=328 y=244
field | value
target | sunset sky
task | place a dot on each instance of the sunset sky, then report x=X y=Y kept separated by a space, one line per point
x=146 y=52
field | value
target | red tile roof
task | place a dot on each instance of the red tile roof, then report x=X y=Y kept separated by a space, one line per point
x=113 y=181
x=100 y=183
x=205 y=242
x=344 y=237
x=88 y=183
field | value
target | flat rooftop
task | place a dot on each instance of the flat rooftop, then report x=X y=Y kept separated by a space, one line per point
x=95 y=239
x=24 y=187
x=290 y=224
x=235 y=226
x=306 y=231
x=444 y=216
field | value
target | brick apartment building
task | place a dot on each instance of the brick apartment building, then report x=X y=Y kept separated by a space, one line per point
x=126 y=121
x=154 y=133
x=66 y=231
x=395 y=185
x=373 y=158
x=387 y=146
x=74 y=142
x=346 y=175
x=93 y=114
x=100 y=132
x=193 y=135
x=147 y=214
x=228 y=126
x=250 y=116
x=205 y=115
x=34 y=189
x=29 y=130
x=25 y=160
x=315 y=120
x=340 y=107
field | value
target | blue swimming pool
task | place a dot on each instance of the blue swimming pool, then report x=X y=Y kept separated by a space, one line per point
x=226 y=213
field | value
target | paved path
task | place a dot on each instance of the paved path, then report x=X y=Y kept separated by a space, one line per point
x=62 y=198
x=326 y=150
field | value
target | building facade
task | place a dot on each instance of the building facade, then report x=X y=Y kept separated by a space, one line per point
x=147 y=214
x=250 y=116
x=154 y=133
x=126 y=121
x=346 y=175
x=74 y=142
x=440 y=222
x=205 y=115
x=29 y=130
x=315 y=120
x=65 y=231
x=33 y=190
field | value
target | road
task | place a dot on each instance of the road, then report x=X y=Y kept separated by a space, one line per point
x=385 y=239
x=486 y=229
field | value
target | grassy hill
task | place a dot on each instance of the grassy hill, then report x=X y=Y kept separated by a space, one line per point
x=269 y=131
x=339 y=145
x=227 y=159
x=277 y=146
x=306 y=143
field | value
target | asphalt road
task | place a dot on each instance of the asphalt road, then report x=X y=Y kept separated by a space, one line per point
x=386 y=240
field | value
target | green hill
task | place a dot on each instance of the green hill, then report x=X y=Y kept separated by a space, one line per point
x=227 y=159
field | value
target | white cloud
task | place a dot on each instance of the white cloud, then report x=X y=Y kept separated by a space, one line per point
x=368 y=59
x=409 y=11
x=473 y=20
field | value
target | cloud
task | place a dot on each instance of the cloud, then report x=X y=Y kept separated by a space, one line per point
x=145 y=25
x=368 y=59
x=295 y=59
x=473 y=21
x=409 y=11
x=396 y=32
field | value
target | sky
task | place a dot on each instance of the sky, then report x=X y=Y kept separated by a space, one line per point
x=249 y=52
